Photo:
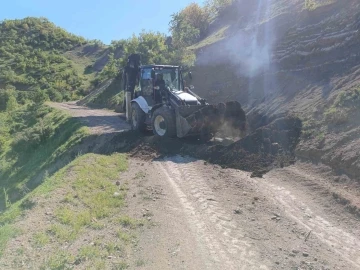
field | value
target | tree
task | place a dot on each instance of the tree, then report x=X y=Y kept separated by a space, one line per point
x=197 y=17
x=183 y=33
x=215 y=7
x=189 y=25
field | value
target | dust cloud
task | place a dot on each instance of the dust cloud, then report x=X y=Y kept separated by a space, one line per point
x=249 y=45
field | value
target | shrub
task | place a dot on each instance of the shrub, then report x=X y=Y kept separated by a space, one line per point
x=55 y=95
x=40 y=96
x=310 y=5
x=349 y=98
x=32 y=137
x=336 y=116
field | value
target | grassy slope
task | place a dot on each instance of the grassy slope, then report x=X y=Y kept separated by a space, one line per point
x=49 y=201
x=83 y=59
x=79 y=205
x=38 y=139
x=37 y=54
x=108 y=95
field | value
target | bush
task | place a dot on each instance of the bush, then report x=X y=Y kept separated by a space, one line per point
x=349 y=98
x=310 y=5
x=117 y=101
x=55 y=95
x=40 y=96
x=336 y=116
x=32 y=137
x=217 y=7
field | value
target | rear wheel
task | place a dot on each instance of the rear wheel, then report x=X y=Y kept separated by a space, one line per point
x=137 y=118
x=163 y=122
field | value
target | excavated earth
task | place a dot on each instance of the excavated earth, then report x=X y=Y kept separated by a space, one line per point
x=268 y=147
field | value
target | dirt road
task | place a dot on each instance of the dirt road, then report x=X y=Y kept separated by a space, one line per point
x=99 y=121
x=206 y=217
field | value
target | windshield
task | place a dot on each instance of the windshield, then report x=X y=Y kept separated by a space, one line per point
x=171 y=76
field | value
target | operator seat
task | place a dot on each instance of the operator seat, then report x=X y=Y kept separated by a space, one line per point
x=157 y=92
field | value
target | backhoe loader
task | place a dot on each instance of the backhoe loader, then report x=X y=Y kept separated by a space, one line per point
x=162 y=103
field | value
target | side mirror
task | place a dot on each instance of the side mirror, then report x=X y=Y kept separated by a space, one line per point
x=153 y=74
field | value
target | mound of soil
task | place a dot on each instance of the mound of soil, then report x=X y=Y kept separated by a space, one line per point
x=269 y=146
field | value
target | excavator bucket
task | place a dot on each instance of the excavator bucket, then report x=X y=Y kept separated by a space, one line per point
x=210 y=119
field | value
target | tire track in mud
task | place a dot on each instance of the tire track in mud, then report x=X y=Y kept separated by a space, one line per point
x=341 y=242
x=220 y=239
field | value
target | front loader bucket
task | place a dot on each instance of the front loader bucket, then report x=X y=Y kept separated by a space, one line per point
x=183 y=126
x=209 y=119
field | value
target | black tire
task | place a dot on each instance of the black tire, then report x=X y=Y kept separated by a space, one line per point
x=206 y=135
x=163 y=122
x=137 y=118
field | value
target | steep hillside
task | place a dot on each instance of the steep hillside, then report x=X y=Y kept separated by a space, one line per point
x=295 y=56
x=37 y=55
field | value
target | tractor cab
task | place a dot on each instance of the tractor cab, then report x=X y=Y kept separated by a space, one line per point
x=155 y=80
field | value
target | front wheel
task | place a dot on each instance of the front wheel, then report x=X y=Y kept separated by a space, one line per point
x=137 y=118
x=163 y=122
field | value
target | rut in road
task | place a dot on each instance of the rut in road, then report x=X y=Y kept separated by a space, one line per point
x=340 y=241
x=219 y=238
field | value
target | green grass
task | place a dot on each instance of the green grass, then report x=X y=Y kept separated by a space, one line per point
x=90 y=253
x=6 y=233
x=113 y=248
x=36 y=55
x=62 y=233
x=41 y=239
x=128 y=222
x=76 y=220
x=99 y=264
x=112 y=97
x=90 y=201
x=59 y=260
x=217 y=36
x=92 y=183
x=41 y=140
x=124 y=236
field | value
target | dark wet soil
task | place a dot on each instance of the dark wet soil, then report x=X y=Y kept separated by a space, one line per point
x=270 y=146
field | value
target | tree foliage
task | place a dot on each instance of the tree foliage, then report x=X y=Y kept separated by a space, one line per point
x=191 y=24
x=153 y=48
x=216 y=8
